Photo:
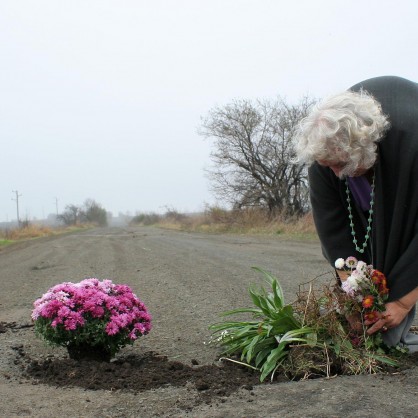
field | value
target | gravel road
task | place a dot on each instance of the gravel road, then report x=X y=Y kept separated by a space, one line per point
x=185 y=279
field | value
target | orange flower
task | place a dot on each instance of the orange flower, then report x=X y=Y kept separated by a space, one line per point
x=383 y=291
x=368 y=301
x=377 y=277
x=383 y=286
x=371 y=316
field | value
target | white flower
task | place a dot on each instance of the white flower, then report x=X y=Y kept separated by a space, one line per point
x=339 y=263
x=346 y=287
x=353 y=281
x=361 y=266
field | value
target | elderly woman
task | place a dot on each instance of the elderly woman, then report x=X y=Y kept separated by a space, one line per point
x=362 y=148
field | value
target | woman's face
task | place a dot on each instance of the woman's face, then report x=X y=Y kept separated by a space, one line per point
x=337 y=167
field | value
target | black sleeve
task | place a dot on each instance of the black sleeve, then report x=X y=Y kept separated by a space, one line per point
x=330 y=214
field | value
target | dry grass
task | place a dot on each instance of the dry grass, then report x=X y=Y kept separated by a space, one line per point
x=30 y=231
x=245 y=221
x=12 y=235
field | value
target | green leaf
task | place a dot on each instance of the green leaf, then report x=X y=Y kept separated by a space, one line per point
x=278 y=295
x=312 y=339
x=242 y=310
x=384 y=359
x=260 y=301
x=272 y=362
x=248 y=351
x=222 y=326
x=275 y=285
x=262 y=355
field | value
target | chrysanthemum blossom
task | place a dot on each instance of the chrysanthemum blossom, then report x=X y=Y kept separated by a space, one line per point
x=367 y=287
x=347 y=288
x=91 y=310
x=383 y=290
x=340 y=263
x=353 y=281
x=361 y=266
x=371 y=316
x=368 y=301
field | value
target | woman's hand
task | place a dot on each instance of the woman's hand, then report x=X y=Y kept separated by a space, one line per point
x=395 y=313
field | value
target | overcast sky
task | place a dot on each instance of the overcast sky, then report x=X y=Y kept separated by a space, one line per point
x=102 y=99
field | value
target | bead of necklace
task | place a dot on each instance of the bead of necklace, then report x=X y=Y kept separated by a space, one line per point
x=369 y=220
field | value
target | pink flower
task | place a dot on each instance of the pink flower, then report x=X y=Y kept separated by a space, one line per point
x=112 y=328
x=97 y=312
x=132 y=335
x=347 y=288
x=351 y=262
x=64 y=311
x=68 y=307
x=70 y=324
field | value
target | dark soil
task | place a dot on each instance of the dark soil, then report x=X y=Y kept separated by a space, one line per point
x=132 y=372
x=143 y=372
x=138 y=374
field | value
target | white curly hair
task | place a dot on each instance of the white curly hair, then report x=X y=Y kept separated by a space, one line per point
x=342 y=129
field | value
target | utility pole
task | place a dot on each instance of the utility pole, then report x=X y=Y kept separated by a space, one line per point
x=17 y=205
x=56 y=205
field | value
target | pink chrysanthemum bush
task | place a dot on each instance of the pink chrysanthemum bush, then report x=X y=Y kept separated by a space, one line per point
x=91 y=313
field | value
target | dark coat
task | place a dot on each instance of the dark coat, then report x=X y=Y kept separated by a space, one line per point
x=395 y=220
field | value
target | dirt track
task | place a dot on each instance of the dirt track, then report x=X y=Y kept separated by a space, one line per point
x=185 y=280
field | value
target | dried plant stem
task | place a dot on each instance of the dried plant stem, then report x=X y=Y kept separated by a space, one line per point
x=238 y=362
x=316 y=278
x=307 y=303
x=328 y=361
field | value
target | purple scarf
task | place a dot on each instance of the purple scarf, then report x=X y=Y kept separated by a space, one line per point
x=361 y=189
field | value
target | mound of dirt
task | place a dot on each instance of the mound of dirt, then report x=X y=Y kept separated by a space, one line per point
x=130 y=372
x=142 y=373
x=135 y=372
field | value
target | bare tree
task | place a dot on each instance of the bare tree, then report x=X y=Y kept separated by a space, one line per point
x=253 y=155
x=71 y=215
x=93 y=212
x=90 y=212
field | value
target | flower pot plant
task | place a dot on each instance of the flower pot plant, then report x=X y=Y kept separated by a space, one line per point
x=92 y=319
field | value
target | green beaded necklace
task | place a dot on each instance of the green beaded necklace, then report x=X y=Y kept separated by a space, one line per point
x=369 y=220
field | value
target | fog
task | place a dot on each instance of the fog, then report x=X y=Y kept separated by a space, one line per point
x=104 y=99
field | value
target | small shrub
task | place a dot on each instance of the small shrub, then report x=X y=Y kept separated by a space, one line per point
x=145 y=219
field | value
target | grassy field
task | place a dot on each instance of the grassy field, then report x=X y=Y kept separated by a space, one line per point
x=244 y=221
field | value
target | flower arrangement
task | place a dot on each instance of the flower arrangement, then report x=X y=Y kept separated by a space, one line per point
x=92 y=315
x=366 y=285
x=367 y=291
